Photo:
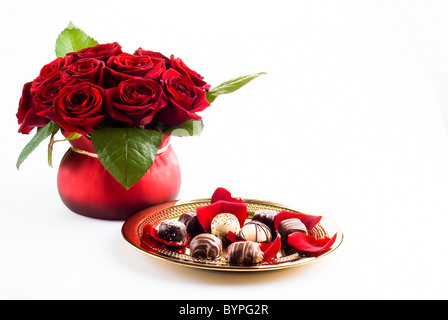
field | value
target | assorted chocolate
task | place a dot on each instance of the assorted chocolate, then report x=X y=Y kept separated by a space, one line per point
x=172 y=231
x=244 y=253
x=223 y=230
x=206 y=246
x=190 y=220
x=289 y=226
x=255 y=231
x=224 y=223
x=267 y=217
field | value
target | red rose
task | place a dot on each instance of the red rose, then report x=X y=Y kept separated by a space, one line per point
x=44 y=97
x=184 y=99
x=50 y=73
x=155 y=56
x=135 y=101
x=178 y=65
x=87 y=69
x=127 y=66
x=27 y=112
x=101 y=52
x=138 y=66
x=79 y=107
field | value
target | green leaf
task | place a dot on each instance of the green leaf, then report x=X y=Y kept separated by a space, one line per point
x=126 y=153
x=187 y=129
x=50 y=129
x=71 y=136
x=73 y=39
x=230 y=86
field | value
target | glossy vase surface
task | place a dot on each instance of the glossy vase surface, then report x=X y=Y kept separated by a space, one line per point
x=86 y=187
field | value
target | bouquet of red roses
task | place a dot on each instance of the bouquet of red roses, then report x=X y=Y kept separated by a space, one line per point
x=102 y=93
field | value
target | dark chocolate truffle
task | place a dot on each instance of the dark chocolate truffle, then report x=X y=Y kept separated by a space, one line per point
x=267 y=217
x=244 y=253
x=256 y=231
x=190 y=220
x=172 y=231
x=288 y=226
x=206 y=246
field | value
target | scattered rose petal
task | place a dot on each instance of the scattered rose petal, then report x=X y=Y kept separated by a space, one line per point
x=224 y=194
x=233 y=237
x=303 y=243
x=206 y=214
x=308 y=220
x=149 y=229
x=271 y=249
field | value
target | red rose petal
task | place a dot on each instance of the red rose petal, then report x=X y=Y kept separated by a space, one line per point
x=233 y=237
x=308 y=244
x=206 y=214
x=149 y=229
x=270 y=250
x=308 y=220
x=224 y=194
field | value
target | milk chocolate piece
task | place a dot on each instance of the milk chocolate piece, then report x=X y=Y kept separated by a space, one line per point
x=172 y=231
x=288 y=226
x=206 y=246
x=256 y=231
x=190 y=220
x=244 y=253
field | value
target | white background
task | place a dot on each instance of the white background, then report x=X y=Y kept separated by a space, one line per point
x=348 y=123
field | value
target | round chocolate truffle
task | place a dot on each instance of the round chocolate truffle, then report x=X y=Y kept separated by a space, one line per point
x=223 y=223
x=288 y=226
x=244 y=253
x=172 y=231
x=206 y=246
x=190 y=220
x=256 y=231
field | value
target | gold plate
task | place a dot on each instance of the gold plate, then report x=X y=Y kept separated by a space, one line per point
x=132 y=232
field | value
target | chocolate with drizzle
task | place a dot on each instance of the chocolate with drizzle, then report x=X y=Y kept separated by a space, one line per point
x=256 y=231
x=206 y=246
x=244 y=253
x=267 y=217
x=288 y=226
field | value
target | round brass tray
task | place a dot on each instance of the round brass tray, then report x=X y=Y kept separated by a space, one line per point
x=132 y=232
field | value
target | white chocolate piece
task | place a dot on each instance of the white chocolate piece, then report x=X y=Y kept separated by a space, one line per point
x=223 y=223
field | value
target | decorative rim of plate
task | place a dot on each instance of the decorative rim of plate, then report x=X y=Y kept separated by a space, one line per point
x=132 y=232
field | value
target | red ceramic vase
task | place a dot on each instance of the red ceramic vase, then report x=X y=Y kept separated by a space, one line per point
x=86 y=188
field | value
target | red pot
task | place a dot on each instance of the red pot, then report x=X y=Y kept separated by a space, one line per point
x=88 y=189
